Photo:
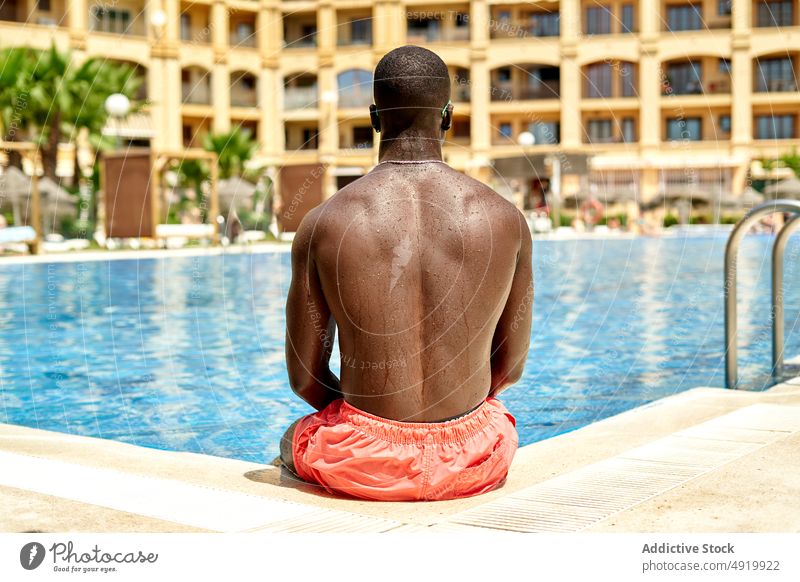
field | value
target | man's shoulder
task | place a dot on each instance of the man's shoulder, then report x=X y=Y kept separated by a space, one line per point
x=500 y=207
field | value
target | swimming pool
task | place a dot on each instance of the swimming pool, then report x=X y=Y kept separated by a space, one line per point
x=186 y=353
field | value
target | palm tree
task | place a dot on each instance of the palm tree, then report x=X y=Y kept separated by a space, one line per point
x=233 y=148
x=60 y=97
x=13 y=97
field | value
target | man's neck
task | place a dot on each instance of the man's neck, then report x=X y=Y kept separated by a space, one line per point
x=405 y=147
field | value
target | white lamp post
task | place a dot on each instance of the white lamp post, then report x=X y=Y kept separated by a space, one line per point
x=526 y=139
x=117 y=106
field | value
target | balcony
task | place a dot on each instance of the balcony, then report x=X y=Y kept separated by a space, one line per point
x=126 y=20
x=355 y=88
x=460 y=85
x=300 y=32
x=301 y=136
x=196 y=94
x=438 y=25
x=242 y=32
x=353 y=97
x=34 y=13
x=522 y=82
x=354 y=30
x=244 y=90
x=514 y=22
x=195 y=86
x=701 y=76
x=609 y=80
x=300 y=97
x=194 y=24
x=774 y=14
x=775 y=75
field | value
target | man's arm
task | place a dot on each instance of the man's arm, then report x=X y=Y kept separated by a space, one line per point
x=310 y=329
x=513 y=333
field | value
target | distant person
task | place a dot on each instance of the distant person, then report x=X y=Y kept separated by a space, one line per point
x=426 y=273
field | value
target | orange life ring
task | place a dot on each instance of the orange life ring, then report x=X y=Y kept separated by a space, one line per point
x=591 y=211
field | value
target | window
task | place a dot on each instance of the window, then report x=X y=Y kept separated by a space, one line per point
x=725 y=123
x=545 y=132
x=775 y=14
x=110 y=20
x=309 y=139
x=684 y=129
x=361 y=31
x=685 y=78
x=775 y=127
x=462 y=19
x=461 y=128
x=628 y=130
x=504 y=74
x=244 y=33
x=541 y=83
x=308 y=36
x=598 y=80
x=355 y=88
x=684 y=17
x=544 y=24
x=600 y=131
x=724 y=7
x=598 y=20
x=627 y=18
x=186 y=27
x=725 y=66
x=43 y=5
x=505 y=130
x=775 y=75
x=362 y=137
x=627 y=79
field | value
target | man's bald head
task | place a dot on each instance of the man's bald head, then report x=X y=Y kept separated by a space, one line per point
x=411 y=85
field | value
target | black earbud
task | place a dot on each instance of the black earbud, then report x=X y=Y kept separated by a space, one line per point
x=374 y=118
x=447 y=116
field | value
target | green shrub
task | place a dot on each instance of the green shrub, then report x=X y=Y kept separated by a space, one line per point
x=670 y=220
x=700 y=219
x=730 y=219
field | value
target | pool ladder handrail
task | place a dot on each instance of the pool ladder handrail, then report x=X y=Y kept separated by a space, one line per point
x=731 y=259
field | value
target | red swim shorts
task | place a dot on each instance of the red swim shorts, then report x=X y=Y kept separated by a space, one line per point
x=352 y=452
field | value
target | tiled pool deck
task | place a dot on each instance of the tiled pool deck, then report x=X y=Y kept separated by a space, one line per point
x=700 y=461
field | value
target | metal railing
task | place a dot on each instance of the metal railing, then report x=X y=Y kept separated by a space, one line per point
x=731 y=259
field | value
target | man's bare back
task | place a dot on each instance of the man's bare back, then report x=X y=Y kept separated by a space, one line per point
x=427 y=275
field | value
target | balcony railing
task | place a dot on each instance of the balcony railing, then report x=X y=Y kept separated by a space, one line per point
x=196 y=93
x=299 y=97
x=768 y=85
x=196 y=35
x=355 y=98
x=544 y=90
x=247 y=40
x=458 y=34
x=460 y=92
x=244 y=97
x=523 y=29
x=301 y=43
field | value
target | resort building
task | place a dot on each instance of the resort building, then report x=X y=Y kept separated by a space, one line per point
x=613 y=99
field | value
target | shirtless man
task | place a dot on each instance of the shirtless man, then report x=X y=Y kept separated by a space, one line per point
x=426 y=273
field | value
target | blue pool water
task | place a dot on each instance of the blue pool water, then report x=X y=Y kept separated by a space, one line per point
x=187 y=353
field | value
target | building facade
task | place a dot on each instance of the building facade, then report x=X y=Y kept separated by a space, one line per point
x=660 y=96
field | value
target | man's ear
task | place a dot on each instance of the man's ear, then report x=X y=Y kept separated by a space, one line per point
x=447 y=118
x=374 y=118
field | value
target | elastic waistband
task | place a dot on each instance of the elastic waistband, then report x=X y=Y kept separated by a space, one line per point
x=395 y=431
